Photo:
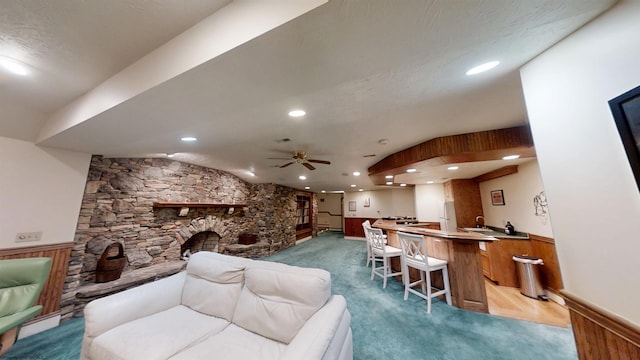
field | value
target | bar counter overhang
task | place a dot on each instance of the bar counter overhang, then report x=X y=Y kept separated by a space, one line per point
x=461 y=250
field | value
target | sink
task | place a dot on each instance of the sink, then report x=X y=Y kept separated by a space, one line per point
x=477 y=229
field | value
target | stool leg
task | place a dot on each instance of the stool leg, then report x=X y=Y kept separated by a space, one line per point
x=445 y=278
x=428 y=285
x=385 y=271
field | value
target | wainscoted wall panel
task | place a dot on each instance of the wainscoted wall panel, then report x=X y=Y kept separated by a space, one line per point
x=600 y=334
x=544 y=248
x=50 y=297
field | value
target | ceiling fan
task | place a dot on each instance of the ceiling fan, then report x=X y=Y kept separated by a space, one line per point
x=300 y=157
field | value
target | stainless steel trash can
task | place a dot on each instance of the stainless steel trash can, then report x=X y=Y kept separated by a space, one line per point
x=529 y=277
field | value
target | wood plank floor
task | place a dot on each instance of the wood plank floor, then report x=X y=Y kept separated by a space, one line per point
x=508 y=302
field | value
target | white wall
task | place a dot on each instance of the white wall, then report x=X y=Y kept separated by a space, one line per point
x=519 y=191
x=392 y=202
x=429 y=200
x=592 y=194
x=40 y=190
x=332 y=203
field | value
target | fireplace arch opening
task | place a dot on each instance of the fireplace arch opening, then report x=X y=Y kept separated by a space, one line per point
x=202 y=241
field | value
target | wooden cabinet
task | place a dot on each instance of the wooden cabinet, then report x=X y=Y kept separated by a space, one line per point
x=497 y=260
x=304 y=218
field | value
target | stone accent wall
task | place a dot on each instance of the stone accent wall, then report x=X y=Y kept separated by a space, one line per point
x=118 y=206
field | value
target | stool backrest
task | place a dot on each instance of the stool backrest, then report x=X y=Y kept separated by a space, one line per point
x=377 y=239
x=414 y=248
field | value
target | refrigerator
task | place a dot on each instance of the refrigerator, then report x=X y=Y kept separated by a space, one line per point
x=448 y=221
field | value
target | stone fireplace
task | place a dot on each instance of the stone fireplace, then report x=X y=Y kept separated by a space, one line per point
x=118 y=206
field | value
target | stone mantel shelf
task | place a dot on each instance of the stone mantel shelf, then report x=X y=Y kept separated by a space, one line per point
x=164 y=204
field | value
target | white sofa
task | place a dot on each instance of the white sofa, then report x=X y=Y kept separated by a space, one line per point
x=222 y=307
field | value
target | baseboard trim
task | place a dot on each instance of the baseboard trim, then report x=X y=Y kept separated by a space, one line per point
x=45 y=323
x=354 y=238
x=303 y=240
x=600 y=334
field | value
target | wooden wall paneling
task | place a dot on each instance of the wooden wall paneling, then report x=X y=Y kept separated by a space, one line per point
x=52 y=291
x=497 y=173
x=600 y=334
x=467 y=201
x=545 y=249
x=353 y=226
x=477 y=146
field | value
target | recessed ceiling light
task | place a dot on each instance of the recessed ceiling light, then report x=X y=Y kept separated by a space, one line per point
x=389 y=177
x=389 y=182
x=356 y=173
x=403 y=184
x=188 y=139
x=307 y=187
x=411 y=170
x=383 y=141
x=361 y=190
x=430 y=182
x=353 y=185
x=170 y=155
x=302 y=177
x=482 y=68
x=297 y=113
x=323 y=191
x=453 y=168
x=13 y=66
x=510 y=157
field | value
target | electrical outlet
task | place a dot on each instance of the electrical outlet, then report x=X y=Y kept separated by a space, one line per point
x=29 y=236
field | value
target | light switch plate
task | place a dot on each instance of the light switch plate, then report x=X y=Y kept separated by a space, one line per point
x=29 y=236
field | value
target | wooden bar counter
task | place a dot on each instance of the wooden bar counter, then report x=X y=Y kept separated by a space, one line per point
x=462 y=252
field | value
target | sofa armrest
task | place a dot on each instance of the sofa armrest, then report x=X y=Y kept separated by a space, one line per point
x=108 y=312
x=324 y=335
x=10 y=321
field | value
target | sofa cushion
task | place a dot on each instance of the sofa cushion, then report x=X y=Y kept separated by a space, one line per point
x=278 y=299
x=158 y=336
x=213 y=284
x=233 y=343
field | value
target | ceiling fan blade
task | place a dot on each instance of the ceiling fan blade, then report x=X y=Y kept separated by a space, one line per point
x=308 y=166
x=287 y=164
x=279 y=158
x=319 y=161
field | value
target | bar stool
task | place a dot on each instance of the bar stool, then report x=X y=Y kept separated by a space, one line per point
x=382 y=253
x=414 y=254
x=365 y=226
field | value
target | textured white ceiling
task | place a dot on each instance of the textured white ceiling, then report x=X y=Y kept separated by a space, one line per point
x=363 y=71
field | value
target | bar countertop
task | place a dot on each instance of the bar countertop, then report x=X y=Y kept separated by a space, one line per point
x=417 y=229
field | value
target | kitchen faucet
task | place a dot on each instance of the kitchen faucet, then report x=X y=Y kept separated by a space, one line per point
x=479 y=223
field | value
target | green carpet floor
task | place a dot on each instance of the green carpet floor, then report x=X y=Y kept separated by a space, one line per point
x=385 y=327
